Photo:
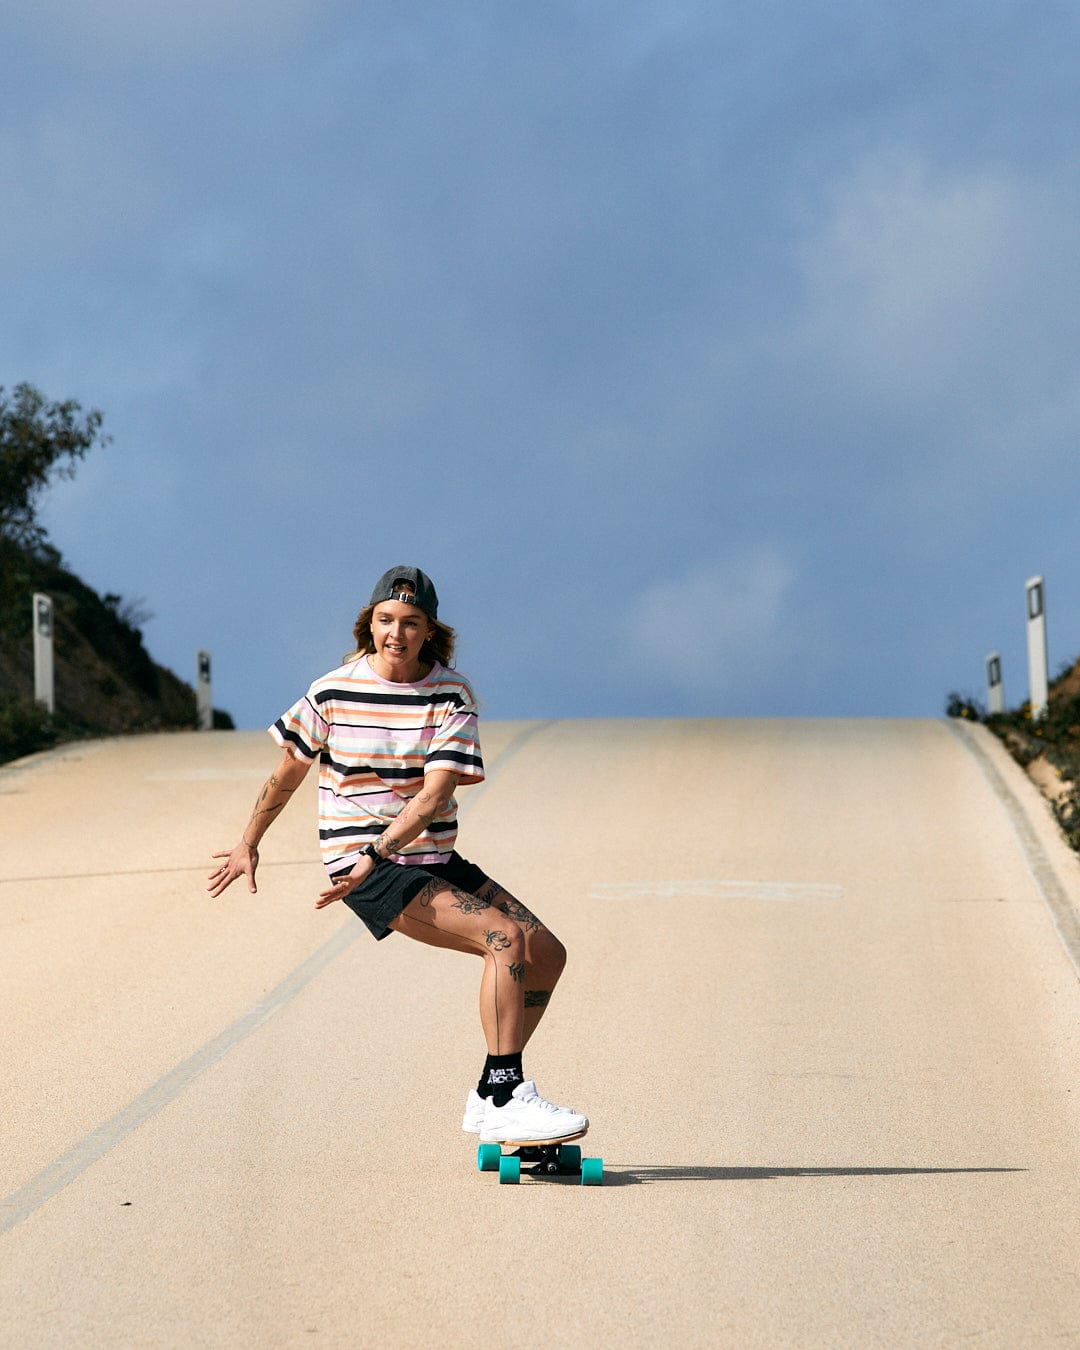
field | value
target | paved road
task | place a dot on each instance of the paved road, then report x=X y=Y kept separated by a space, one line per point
x=821 y=1009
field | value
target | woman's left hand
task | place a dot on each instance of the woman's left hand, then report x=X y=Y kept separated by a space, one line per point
x=338 y=890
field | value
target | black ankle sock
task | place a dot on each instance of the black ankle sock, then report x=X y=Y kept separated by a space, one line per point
x=502 y=1074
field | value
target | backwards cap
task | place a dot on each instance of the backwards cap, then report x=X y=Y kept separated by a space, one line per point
x=410 y=586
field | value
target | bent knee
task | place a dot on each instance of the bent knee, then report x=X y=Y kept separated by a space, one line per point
x=549 y=954
x=505 y=941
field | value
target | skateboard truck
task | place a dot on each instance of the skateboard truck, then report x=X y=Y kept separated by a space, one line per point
x=542 y=1158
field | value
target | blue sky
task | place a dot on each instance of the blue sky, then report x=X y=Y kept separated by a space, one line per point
x=714 y=358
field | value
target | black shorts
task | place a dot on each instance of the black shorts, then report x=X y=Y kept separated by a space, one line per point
x=380 y=898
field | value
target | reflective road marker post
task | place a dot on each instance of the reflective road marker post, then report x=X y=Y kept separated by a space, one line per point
x=995 y=687
x=44 y=680
x=204 y=701
x=1038 y=679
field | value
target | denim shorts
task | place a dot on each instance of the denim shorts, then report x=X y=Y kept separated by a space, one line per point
x=381 y=896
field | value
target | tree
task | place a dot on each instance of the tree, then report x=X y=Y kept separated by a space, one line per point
x=38 y=441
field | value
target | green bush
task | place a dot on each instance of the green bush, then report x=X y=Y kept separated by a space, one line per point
x=25 y=728
x=963 y=705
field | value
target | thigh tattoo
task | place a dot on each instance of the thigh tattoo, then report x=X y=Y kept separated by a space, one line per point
x=428 y=892
x=468 y=904
x=514 y=909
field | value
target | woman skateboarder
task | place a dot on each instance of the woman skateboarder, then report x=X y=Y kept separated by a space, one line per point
x=395 y=732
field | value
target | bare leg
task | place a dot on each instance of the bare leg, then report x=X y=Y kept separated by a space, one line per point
x=442 y=916
x=545 y=955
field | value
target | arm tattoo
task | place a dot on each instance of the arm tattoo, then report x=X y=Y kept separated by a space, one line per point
x=272 y=784
x=425 y=807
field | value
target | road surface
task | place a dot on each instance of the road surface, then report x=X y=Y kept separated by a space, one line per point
x=822 y=1007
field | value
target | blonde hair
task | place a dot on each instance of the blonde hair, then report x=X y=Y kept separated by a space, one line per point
x=438 y=645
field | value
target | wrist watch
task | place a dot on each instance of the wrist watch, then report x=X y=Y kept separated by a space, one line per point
x=372 y=852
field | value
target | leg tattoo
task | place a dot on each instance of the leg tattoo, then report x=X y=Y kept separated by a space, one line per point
x=537 y=998
x=468 y=904
x=514 y=909
x=429 y=891
x=517 y=973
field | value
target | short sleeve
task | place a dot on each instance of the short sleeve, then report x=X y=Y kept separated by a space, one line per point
x=302 y=728
x=456 y=743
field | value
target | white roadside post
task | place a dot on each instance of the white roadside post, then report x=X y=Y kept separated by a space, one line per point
x=44 y=679
x=204 y=700
x=1038 y=676
x=995 y=687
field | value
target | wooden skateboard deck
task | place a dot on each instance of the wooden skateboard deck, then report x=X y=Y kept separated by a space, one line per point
x=542 y=1143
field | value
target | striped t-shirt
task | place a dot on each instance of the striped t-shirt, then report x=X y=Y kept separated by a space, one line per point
x=375 y=740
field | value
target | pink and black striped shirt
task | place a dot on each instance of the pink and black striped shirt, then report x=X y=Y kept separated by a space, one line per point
x=375 y=740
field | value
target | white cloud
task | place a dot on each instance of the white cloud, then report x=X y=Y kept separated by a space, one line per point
x=928 y=286
x=717 y=630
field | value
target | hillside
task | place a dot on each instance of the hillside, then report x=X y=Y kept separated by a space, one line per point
x=106 y=681
x=1048 y=749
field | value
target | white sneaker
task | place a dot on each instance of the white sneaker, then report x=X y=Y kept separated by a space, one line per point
x=473 y=1120
x=528 y=1119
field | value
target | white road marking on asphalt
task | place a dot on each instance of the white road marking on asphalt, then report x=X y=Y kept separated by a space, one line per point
x=20 y=1204
x=209 y=776
x=719 y=890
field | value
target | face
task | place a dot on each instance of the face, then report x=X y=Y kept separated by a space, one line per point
x=398 y=632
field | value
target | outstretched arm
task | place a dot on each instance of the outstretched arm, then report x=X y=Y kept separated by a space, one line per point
x=244 y=858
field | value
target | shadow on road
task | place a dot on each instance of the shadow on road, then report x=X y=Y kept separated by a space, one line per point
x=641 y=1176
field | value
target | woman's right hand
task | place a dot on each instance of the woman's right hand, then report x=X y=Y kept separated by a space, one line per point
x=338 y=890
x=239 y=862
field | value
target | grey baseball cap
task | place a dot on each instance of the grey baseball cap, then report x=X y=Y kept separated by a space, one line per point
x=418 y=590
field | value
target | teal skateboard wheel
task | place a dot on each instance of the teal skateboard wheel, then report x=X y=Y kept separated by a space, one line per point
x=509 y=1170
x=569 y=1155
x=592 y=1171
x=487 y=1157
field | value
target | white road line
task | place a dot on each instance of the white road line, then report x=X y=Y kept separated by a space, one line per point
x=208 y=776
x=20 y=1204
x=717 y=890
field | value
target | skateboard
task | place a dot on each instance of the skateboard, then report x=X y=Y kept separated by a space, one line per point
x=544 y=1158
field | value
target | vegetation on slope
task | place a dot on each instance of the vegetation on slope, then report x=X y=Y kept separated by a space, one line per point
x=1047 y=747
x=106 y=682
